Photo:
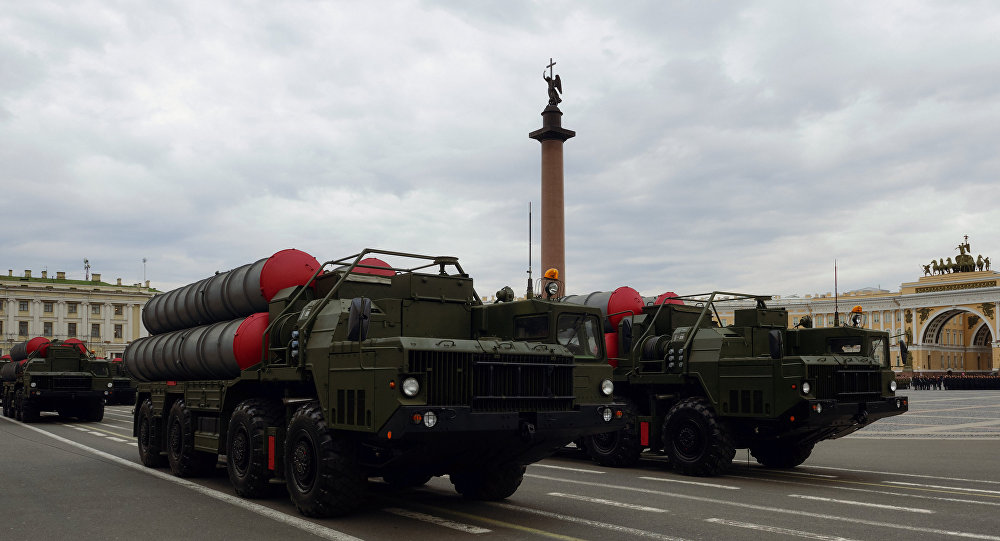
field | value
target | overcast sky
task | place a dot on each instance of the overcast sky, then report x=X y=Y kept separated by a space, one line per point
x=741 y=146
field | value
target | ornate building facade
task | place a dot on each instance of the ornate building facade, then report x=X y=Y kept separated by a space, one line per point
x=105 y=316
x=948 y=317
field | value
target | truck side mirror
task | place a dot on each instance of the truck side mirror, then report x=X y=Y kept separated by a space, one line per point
x=358 y=319
x=774 y=341
x=904 y=352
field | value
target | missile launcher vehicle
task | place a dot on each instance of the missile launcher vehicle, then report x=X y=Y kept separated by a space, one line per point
x=696 y=391
x=123 y=387
x=316 y=378
x=59 y=375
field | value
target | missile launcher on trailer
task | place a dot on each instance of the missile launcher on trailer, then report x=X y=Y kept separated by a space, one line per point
x=318 y=377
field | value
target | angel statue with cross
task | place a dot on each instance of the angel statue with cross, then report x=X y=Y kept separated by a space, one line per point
x=555 y=85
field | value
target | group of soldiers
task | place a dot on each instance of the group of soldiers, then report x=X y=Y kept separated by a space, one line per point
x=946 y=382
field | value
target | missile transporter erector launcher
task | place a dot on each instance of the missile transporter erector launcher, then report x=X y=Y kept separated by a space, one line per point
x=361 y=370
x=59 y=375
x=697 y=391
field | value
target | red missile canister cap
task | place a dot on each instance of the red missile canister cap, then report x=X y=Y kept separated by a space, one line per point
x=247 y=341
x=668 y=298
x=386 y=269
x=626 y=300
x=78 y=343
x=286 y=268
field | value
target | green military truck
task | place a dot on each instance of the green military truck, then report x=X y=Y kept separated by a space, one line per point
x=60 y=376
x=122 y=390
x=355 y=369
x=696 y=391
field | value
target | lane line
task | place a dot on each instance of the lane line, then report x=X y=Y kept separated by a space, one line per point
x=714 y=501
x=863 y=504
x=607 y=502
x=487 y=520
x=260 y=510
x=775 y=529
x=88 y=428
x=112 y=438
x=467 y=528
x=870 y=491
x=978 y=490
x=683 y=482
x=587 y=522
x=551 y=467
x=917 y=475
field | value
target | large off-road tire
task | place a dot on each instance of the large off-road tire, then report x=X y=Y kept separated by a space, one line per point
x=694 y=439
x=321 y=466
x=246 y=447
x=93 y=410
x=148 y=438
x=27 y=410
x=776 y=454
x=620 y=448
x=184 y=460
x=489 y=483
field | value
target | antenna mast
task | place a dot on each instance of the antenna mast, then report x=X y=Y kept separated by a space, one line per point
x=836 y=312
x=529 y=293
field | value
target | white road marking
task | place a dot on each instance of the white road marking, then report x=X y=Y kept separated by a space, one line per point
x=467 y=528
x=683 y=482
x=82 y=428
x=94 y=432
x=865 y=504
x=978 y=490
x=795 y=512
x=119 y=440
x=775 y=529
x=587 y=522
x=260 y=510
x=551 y=467
x=917 y=475
x=608 y=502
x=870 y=491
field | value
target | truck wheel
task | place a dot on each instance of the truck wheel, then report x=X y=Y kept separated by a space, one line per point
x=781 y=454
x=184 y=460
x=27 y=412
x=246 y=447
x=93 y=410
x=321 y=467
x=489 y=483
x=617 y=449
x=694 y=439
x=148 y=438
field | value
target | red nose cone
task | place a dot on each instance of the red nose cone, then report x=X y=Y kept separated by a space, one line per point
x=375 y=262
x=247 y=342
x=625 y=300
x=668 y=298
x=286 y=268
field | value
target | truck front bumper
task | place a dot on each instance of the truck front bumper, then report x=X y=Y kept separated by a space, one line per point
x=817 y=420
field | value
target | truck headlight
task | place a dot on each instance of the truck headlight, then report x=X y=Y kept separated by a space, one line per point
x=806 y=388
x=551 y=288
x=607 y=415
x=892 y=385
x=34 y=384
x=607 y=387
x=110 y=385
x=411 y=387
x=430 y=419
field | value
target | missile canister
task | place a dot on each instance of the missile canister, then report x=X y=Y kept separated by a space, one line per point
x=21 y=350
x=228 y=295
x=216 y=351
x=621 y=302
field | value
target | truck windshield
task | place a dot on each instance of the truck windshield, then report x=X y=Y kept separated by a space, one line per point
x=880 y=351
x=579 y=333
x=535 y=327
x=846 y=346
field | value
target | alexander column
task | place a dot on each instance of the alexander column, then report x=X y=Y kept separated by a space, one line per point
x=552 y=136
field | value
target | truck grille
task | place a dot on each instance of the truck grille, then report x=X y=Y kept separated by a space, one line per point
x=495 y=383
x=121 y=385
x=855 y=383
x=70 y=383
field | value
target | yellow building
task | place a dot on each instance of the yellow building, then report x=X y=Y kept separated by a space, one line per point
x=948 y=318
x=105 y=316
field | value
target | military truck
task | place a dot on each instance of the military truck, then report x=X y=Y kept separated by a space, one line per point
x=122 y=387
x=696 y=391
x=355 y=369
x=61 y=376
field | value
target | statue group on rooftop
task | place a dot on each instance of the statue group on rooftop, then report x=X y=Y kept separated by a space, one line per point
x=964 y=262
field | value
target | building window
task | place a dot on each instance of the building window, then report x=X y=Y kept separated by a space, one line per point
x=47 y=307
x=1 y=327
x=71 y=330
x=95 y=309
x=22 y=306
x=71 y=308
x=875 y=316
x=95 y=330
x=47 y=328
x=119 y=309
x=118 y=331
x=22 y=328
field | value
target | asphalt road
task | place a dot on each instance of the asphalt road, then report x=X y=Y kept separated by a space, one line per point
x=929 y=474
